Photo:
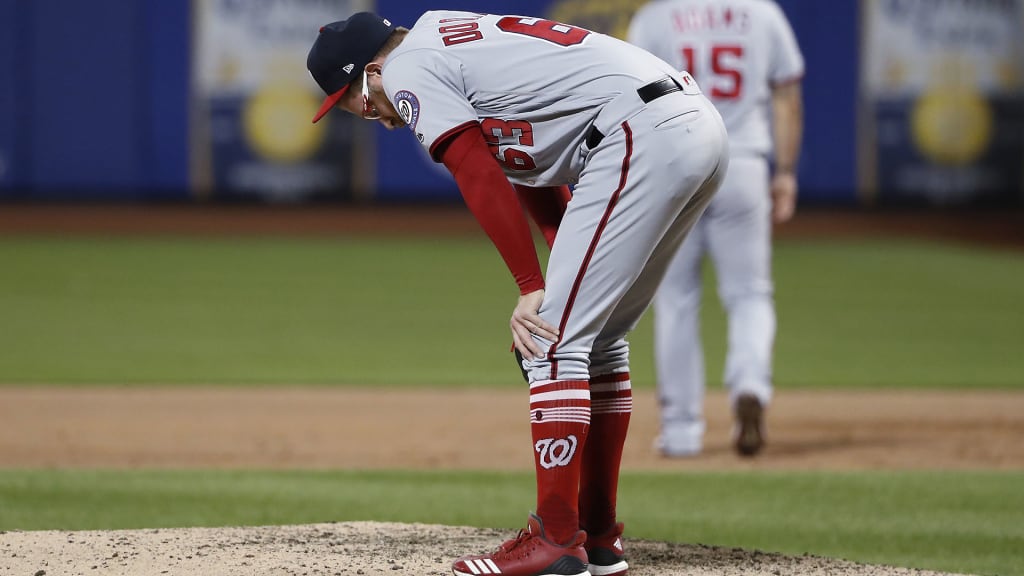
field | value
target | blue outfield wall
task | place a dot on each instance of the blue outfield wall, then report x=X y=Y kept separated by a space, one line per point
x=99 y=99
x=9 y=103
x=829 y=36
x=94 y=100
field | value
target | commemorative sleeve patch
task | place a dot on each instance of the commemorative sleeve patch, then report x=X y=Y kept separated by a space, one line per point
x=408 y=107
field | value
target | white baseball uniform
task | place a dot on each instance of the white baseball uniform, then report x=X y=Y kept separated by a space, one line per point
x=638 y=188
x=738 y=50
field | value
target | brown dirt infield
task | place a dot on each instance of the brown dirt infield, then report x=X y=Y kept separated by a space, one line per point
x=363 y=428
x=164 y=427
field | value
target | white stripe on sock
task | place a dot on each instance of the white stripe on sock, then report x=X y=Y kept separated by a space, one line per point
x=610 y=386
x=572 y=394
x=561 y=415
x=611 y=406
x=566 y=411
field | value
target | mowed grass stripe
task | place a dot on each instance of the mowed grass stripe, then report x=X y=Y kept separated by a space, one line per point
x=433 y=311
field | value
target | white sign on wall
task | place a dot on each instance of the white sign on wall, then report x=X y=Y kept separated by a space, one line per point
x=943 y=87
x=254 y=100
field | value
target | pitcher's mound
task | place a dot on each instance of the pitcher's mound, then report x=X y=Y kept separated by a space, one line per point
x=359 y=548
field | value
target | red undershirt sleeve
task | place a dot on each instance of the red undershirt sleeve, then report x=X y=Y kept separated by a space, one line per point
x=492 y=200
x=546 y=206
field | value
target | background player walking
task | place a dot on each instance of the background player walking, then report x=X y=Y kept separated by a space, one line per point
x=513 y=103
x=747 y=59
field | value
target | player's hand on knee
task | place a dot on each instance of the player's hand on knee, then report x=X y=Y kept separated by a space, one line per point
x=526 y=324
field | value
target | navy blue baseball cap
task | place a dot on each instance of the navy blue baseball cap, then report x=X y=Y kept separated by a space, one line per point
x=342 y=50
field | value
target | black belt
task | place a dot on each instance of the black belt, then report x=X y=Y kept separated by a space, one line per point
x=648 y=93
x=658 y=88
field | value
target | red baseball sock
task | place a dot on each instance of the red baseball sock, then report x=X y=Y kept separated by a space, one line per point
x=559 y=419
x=611 y=400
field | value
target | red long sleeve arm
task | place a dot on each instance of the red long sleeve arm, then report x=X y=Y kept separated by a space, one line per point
x=546 y=206
x=493 y=201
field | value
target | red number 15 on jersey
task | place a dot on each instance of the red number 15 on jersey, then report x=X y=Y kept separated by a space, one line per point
x=723 y=67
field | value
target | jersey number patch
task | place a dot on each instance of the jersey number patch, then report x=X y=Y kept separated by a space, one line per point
x=555 y=32
x=724 y=63
x=501 y=134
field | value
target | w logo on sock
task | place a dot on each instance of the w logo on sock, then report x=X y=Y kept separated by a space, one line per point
x=556 y=452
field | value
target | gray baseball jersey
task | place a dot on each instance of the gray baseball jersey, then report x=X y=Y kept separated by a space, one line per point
x=560 y=105
x=444 y=75
x=730 y=47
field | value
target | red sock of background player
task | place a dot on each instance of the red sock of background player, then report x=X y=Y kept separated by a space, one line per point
x=559 y=419
x=611 y=400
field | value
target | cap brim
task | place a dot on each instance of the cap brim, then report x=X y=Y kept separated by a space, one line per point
x=330 y=102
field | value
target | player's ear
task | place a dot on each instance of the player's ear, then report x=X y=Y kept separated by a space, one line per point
x=373 y=68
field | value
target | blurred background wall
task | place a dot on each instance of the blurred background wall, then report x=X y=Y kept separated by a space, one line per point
x=94 y=99
x=907 y=101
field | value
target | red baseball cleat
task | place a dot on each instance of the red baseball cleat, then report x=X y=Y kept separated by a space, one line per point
x=605 y=554
x=529 y=554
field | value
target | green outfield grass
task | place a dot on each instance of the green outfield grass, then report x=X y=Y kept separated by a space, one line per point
x=434 y=311
x=958 y=522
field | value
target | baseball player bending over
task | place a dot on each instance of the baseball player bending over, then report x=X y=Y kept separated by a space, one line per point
x=747 y=59
x=517 y=108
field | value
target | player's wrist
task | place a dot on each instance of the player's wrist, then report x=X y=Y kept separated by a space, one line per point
x=785 y=169
x=531 y=284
